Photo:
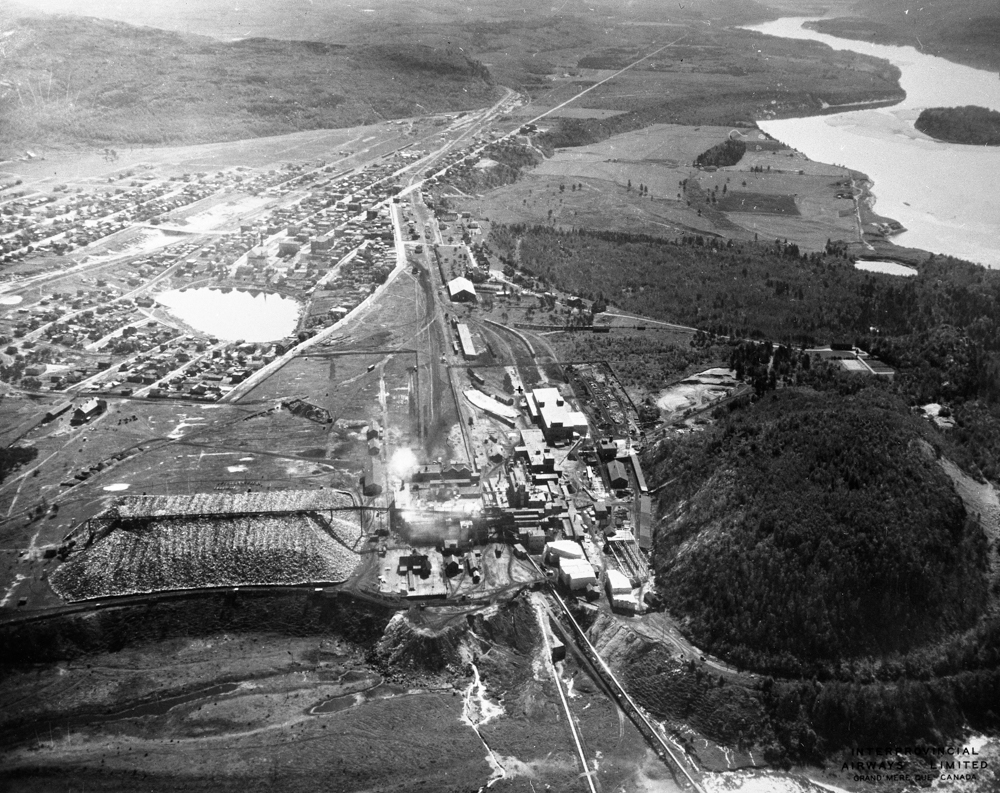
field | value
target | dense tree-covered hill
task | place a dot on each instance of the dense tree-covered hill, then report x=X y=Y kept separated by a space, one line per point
x=815 y=526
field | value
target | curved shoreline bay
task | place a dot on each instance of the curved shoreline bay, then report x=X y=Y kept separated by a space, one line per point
x=942 y=193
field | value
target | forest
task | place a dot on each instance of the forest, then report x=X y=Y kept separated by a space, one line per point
x=976 y=126
x=939 y=330
x=729 y=152
x=12 y=457
x=766 y=289
x=834 y=507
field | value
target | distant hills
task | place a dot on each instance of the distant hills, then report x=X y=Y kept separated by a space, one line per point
x=364 y=20
x=75 y=80
x=964 y=31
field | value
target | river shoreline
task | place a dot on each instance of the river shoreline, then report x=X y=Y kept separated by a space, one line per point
x=940 y=194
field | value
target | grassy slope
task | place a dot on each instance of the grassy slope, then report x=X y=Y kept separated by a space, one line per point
x=106 y=83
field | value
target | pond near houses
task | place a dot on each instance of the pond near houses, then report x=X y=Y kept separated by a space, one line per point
x=234 y=315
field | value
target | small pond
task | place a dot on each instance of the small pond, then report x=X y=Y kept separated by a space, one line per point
x=233 y=314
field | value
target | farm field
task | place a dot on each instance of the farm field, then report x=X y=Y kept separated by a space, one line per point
x=530 y=111
x=598 y=205
x=658 y=156
x=769 y=193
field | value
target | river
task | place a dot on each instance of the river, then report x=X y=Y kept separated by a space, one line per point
x=946 y=195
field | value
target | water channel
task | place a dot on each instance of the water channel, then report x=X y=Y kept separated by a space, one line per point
x=232 y=314
x=945 y=194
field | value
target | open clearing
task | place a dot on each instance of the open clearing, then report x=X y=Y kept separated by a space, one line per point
x=772 y=193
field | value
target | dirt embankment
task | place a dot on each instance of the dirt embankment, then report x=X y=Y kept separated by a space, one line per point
x=436 y=639
x=685 y=694
x=289 y=613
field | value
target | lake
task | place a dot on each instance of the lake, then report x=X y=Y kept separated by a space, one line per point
x=945 y=194
x=233 y=315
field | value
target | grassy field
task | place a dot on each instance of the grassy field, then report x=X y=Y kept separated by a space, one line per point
x=775 y=193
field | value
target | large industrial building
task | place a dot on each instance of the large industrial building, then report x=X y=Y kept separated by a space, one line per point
x=558 y=420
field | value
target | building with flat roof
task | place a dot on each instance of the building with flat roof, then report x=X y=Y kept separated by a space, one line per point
x=576 y=574
x=617 y=583
x=558 y=419
x=465 y=338
x=536 y=452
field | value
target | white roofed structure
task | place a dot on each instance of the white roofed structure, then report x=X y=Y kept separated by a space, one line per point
x=462 y=290
x=563 y=549
x=576 y=574
x=618 y=583
x=559 y=421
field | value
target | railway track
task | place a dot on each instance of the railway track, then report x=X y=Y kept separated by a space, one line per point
x=666 y=752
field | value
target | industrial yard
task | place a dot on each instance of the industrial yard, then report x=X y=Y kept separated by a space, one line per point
x=394 y=440
x=464 y=454
x=309 y=383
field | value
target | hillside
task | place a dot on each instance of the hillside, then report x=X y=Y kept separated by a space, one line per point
x=975 y=126
x=80 y=80
x=833 y=507
x=334 y=20
x=964 y=31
